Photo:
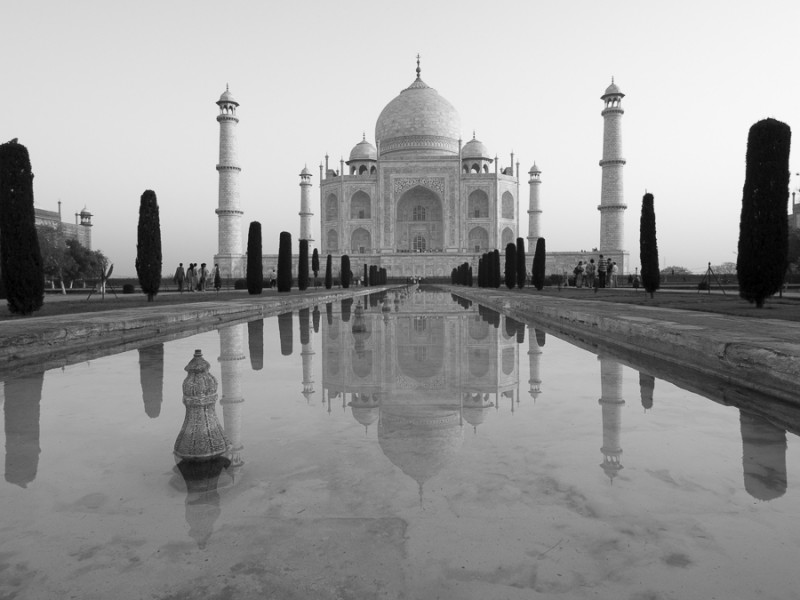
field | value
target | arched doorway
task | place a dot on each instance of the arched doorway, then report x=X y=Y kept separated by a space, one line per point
x=420 y=221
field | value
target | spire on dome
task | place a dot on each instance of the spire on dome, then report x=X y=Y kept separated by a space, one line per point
x=418 y=69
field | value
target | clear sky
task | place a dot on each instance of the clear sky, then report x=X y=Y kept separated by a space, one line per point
x=113 y=98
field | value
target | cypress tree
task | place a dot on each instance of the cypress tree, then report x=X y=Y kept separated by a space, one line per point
x=521 y=275
x=366 y=275
x=285 y=262
x=648 y=247
x=537 y=268
x=495 y=268
x=255 y=272
x=20 y=257
x=302 y=266
x=763 y=227
x=148 y=246
x=344 y=275
x=315 y=265
x=511 y=265
x=328 y=273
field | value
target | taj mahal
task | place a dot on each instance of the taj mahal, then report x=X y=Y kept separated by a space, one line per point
x=419 y=201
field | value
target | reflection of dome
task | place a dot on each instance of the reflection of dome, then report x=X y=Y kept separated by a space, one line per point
x=363 y=150
x=420 y=440
x=418 y=120
x=476 y=406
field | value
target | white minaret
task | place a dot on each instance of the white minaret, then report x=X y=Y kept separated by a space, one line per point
x=612 y=199
x=305 y=207
x=534 y=208
x=229 y=257
x=611 y=402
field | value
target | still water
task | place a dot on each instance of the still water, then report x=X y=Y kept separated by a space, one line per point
x=421 y=449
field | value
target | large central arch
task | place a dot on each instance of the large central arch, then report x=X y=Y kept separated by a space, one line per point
x=420 y=221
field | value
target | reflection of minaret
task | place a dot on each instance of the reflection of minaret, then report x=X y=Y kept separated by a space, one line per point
x=231 y=363
x=647 y=384
x=21 y=410
x=151 y=377
x=201 y=478
x=306 y=352
x=763 y=457
x=612 y=403
x=534 y=356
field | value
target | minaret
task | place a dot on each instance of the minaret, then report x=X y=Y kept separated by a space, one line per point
x=534 y=208
x=305 y=207
x=229 y=257
x=611 y=402
x=612 y=199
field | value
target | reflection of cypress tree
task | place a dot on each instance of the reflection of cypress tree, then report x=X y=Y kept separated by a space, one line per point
x=329 y=313
x=763 y=457
x=255 y=342
x=520 y=332
x=315 y=316
x=285 y=331
x=21 y=409
x=347 y=304
x=541 y=337
x=151 y=376
x=305 y=334
x=647 y=384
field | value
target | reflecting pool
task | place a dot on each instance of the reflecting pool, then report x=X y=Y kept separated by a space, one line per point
x=401 y=446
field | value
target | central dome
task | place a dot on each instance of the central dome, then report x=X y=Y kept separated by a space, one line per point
x=418 y=122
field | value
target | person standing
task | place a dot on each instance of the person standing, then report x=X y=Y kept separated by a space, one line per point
x=614 y=272
x=191 y=277
x=590 y=271
x=180 y=277
x=217 y=278
x=579 y=269
x=203 y=277
x=602 y=266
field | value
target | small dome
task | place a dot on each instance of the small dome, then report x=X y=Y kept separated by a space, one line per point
x=475 y=149
x=85 y=212
x=305 y=171
x=612 y=90
x=534 y=169
x=363 y=150
x=227 y=97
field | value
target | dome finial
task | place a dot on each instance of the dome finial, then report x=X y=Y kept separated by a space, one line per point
x=473 y=134
x=418 y=69
x=363 y=136
x=227 y=88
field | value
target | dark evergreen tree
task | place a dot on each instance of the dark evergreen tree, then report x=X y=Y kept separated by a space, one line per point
x=495 y=268
x=454 y=276
x=285 y=262
x=148 y=246
x=511 y=265
x=329 y=272
x=315 y=265
x=648 y=247
x=763 y=227
x=537 y=268
x=20 y=256
x=302 y=266
x=521 y=275
x=255 y=271
x=345 y=274
x=366 y=275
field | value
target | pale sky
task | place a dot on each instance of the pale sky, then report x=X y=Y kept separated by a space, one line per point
x=113 y=98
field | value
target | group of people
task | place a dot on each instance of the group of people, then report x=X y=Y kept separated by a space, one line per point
x=602 y=274
x=196 y=280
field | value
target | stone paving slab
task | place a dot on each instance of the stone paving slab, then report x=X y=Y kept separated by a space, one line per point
x=758 y=354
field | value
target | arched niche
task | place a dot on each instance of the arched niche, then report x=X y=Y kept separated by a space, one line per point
x=420 y=221
x=420 y=347
x=478 y=362
x=478 y=328
x=360 y=241
x=507 y=206
x=509 y=362
x=478 y=205
x=331 y=208
x=362 y=363
x=478 y=240
x=332 y=239
x=507 y=237
x=360 y=206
